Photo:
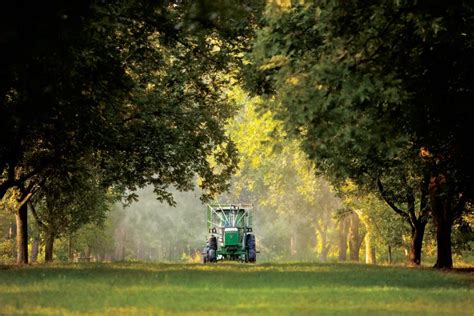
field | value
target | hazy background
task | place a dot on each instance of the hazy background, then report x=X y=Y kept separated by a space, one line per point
x=151 y=230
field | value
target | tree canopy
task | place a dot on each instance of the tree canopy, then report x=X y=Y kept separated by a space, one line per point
x=377 y=90
x=133 y=88
x=119 y=85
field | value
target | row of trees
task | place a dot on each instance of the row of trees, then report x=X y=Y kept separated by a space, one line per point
x=298 y=215
x=381 y=94
x=100 y=98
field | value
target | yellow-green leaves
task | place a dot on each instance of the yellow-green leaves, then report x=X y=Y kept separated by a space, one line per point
x=274 y=62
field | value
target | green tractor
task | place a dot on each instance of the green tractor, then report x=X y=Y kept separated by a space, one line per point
x=230 y=233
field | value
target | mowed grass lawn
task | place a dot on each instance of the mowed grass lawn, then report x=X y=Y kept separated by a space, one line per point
x=233 y=289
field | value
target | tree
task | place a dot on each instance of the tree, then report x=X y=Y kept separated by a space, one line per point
x=120 y=85
x=377 y=93
x=383 y=229
x=15 y=201
x=355 y=236
x=343 y=234
x=67 y=202
x=276 y=175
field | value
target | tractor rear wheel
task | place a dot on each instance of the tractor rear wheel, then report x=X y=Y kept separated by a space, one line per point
x=251 y=249
x=204 y=252
x=252 y=255
x=211 y=254
x=213 y=242
x=212 y=251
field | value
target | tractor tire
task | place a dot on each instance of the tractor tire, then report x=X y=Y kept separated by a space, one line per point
x=252 y=256
x=211 y=255
x=204 y=253
x=213 y=242
x=250 y=241
x=251 y=248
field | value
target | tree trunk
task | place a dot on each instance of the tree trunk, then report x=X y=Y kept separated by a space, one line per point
x=69 y=249
x=22 y=235
x=123 y=244
x=373 y=258
x=389 y=254
x=140 y=250
x=440 y=199
x=354 y=238
x=324 y=247
x=48 y=253
x=88 y=254
x=416 y=243
x=292 y=245
x=34 y=249
x=343 y=232
x=444 y=258
x=369 y=249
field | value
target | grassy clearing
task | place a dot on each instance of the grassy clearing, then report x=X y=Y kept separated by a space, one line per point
x=231 y=289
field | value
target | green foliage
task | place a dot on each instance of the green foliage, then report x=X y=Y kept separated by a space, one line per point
x=376 y=91
x=118 y=85
x=91 y=242
x=294 y=206
x=349 y=79
x=463 y=235
x=7 y=251
x=319 y=98
x=7 y=234
x=66 y=202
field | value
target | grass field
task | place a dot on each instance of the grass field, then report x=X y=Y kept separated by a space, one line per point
x=233 y=289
